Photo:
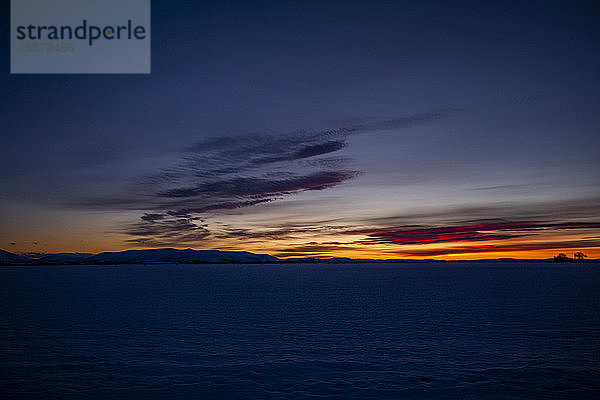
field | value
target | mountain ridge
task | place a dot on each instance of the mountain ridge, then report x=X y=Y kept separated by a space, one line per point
x=191 y=256
x=165 y=255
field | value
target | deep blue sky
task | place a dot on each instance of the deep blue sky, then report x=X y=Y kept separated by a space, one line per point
x=344 y=117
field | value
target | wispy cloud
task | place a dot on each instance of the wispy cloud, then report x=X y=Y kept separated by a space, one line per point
x=277 y=233
x=227 y=173
x=478 y=231
x=577 y=209
x=536 y=232
x=241 y=187
x=312 y=249
x=166 y=229
x=502 y=248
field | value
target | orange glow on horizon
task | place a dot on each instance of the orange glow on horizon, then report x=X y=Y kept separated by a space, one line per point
x=543 y=244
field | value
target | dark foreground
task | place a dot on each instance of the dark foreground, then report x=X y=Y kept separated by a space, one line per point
x=341 y=331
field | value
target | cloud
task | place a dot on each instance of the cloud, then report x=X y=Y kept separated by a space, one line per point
x=231 y=175
x=262 y=187
x=165 y=229
x=237 y=154
x=578 y=209
x=235 y=171
x=243 y=169
x=218 y=206
x=311 y=249
x=152 y=217
x=500 y=248
x=478 y=231
x=319 y=149
x=286 y=232
x=227 y=173
x=495 y=235
x=521 y=236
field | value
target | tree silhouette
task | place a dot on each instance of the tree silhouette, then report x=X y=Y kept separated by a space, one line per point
x=561 y=257
x=579 y=256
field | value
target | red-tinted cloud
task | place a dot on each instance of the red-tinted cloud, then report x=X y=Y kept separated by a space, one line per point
x=478 y=231
x=500 y=248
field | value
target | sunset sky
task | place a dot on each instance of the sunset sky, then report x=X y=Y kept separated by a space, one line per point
x=384 y=130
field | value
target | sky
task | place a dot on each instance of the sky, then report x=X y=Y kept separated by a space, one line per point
x=390 y=130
